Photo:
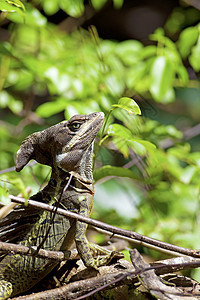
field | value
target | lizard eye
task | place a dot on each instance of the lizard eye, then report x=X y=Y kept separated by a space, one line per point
x=75 y=126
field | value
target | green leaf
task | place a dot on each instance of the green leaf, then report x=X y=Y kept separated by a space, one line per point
x=138 y=147
x=195 y=57
x=122 y=145
x=113 y=171
x=16 y=3
x=187 y=39
x=182 y=74
x=73 y=8
x=128 y=104
x=61 y=81
x=169 y=130
x=172 y=131
x=128 y=47
x=33 y=17
x=4 y=190
x=124 y=139
x=98 y=4
x=141 y=147
x=6 y=48
x=4 y=196
x=4 y=68
x=129 y=51
x=118 y=3
x=8 y=100
x=119 y=130
x=162 y=76
x=33 y=64
x=50 y=6
x=120 y=135
x=15 y=106
x=158 y=36
x=135 y=77
x=187 y=174
x=49 y=109
x=12 y=6
x=115 y=84
x=19 y=185
x=148 y=51
x=158 y=33
x=195 y=158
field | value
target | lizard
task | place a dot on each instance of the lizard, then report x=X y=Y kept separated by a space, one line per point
x=67 y=148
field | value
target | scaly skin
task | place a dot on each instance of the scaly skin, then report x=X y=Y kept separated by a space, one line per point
x=68 y=150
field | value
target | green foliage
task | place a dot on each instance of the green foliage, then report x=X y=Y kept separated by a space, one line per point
x=189 y=45
x=12 y=5
x=13 y=184
x=113 y=171
x=47 y=74
x=123 y=139
x=4 y=193
x=129 y=105
x=190 y=35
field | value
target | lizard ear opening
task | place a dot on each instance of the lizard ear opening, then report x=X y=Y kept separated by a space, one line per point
x=24 y=154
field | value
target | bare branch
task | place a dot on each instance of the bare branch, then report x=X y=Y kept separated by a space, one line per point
x=31 y=251
x=154 y=283
x=104 y=280
x=115 y=230
x=11 y=169
x=53 y=255
x=194 y=3
x=73 y=290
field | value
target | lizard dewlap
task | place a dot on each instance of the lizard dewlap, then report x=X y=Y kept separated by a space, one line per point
x=67 y=147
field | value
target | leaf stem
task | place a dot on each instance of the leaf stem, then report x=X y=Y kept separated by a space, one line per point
x=101 y=139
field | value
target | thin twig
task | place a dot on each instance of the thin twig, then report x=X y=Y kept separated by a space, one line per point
x=11 y=169
x=136 y=242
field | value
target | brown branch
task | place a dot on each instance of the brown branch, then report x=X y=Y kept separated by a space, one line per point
x=115 y=230
x=175 y=264
x=160 y=268
x=53 y=255
x=31 y=251
x=136 y=242
x=73 y=290
x=128 y=276
x=154 y=283
x=194 y=3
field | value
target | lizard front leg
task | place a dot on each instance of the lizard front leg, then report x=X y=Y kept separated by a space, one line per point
x=83 y=246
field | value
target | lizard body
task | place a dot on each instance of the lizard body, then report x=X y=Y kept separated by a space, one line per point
x=66 y=147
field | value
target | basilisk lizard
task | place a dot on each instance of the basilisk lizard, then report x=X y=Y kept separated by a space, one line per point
x=67 y=148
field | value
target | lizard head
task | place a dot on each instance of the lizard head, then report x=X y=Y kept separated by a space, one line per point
x=62 y=145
